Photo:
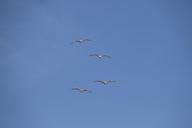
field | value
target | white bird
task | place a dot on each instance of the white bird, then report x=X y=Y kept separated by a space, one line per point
x=82 y=40
x=104 y=82
x=82 y=90
x=100 y=56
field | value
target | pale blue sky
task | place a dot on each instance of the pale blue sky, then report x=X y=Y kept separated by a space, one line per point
x=150 y=45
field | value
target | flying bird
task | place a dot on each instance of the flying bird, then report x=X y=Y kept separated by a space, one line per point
x=100 y=56
x=104 y=82
x=82 y=90
x=82 y=40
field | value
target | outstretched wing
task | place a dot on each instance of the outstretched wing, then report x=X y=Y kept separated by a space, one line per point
x=75 y=41
x=110 y=81
x=93 y=54
x=86 y=39
x=100 y=81
x=86 y=90
x=75 y=88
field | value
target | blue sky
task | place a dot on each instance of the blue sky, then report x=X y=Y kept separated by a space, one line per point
x=150 y=45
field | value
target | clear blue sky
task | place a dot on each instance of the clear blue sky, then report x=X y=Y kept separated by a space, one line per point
x=150 y=45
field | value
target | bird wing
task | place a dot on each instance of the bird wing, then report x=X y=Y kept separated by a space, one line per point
x=87 y=39
x=75 y=88
x=93 y=55
x=88 y=90
x=100 y=81
x=107 y=56
x=111 y=81
x=74 y=41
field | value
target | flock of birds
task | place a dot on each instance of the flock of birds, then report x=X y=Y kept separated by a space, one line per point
x=97 y=55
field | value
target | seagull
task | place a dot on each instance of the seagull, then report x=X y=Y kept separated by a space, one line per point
x=82 y=40
x=100 y=56
x=82 y=90
x=104 y=82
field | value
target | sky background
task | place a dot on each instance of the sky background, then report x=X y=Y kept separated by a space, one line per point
x=150 y=45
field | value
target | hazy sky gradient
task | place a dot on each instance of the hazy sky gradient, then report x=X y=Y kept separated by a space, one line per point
x=150 y=45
